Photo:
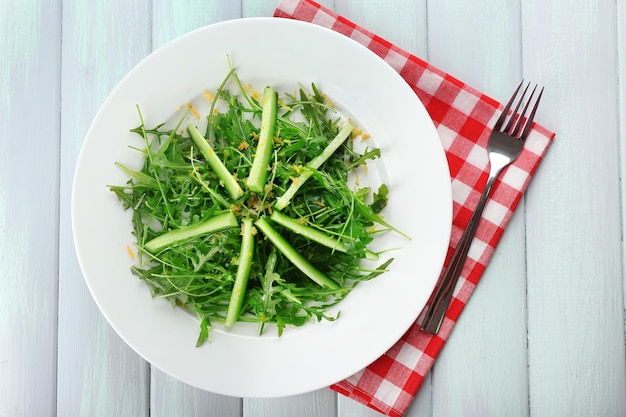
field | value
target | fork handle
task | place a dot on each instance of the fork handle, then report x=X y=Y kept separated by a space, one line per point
x=434 y=313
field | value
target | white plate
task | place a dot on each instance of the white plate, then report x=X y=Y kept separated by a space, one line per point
x=282 y=53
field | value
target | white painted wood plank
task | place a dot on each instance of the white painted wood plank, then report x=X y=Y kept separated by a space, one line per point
x=405 y=25
x=482 y=368
x=575 y=276
x=258 y=8
x=30 y=41
x=98 y=374
x=621 y=48
x=169 y=396
x=477 y=42
x=320 y=403
x=402 y=22
x=173 y=19
x=576 y=338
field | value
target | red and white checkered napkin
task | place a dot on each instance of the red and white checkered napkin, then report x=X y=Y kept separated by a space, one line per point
x=463 y=118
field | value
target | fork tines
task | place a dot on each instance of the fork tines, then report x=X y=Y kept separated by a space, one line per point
x=519 y=124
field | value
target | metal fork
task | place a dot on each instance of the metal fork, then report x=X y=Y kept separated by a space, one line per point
x=504 y=146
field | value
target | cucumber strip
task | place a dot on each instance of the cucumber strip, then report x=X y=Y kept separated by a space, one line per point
x=173 y=237
x=230 y=183
x=258 y=171
x=294 y=256
x=314 y=234
x=268 y=278
x=309 y=232
x=314 y=164
x=243 y=273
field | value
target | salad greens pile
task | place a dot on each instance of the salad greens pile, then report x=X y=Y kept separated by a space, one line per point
x=253 y=219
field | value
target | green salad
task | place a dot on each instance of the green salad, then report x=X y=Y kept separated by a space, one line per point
x=253 y=218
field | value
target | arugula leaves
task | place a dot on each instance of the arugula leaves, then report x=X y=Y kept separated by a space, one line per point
x=247 y=259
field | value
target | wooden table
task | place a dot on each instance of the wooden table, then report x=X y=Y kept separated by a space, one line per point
x=543 y=334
